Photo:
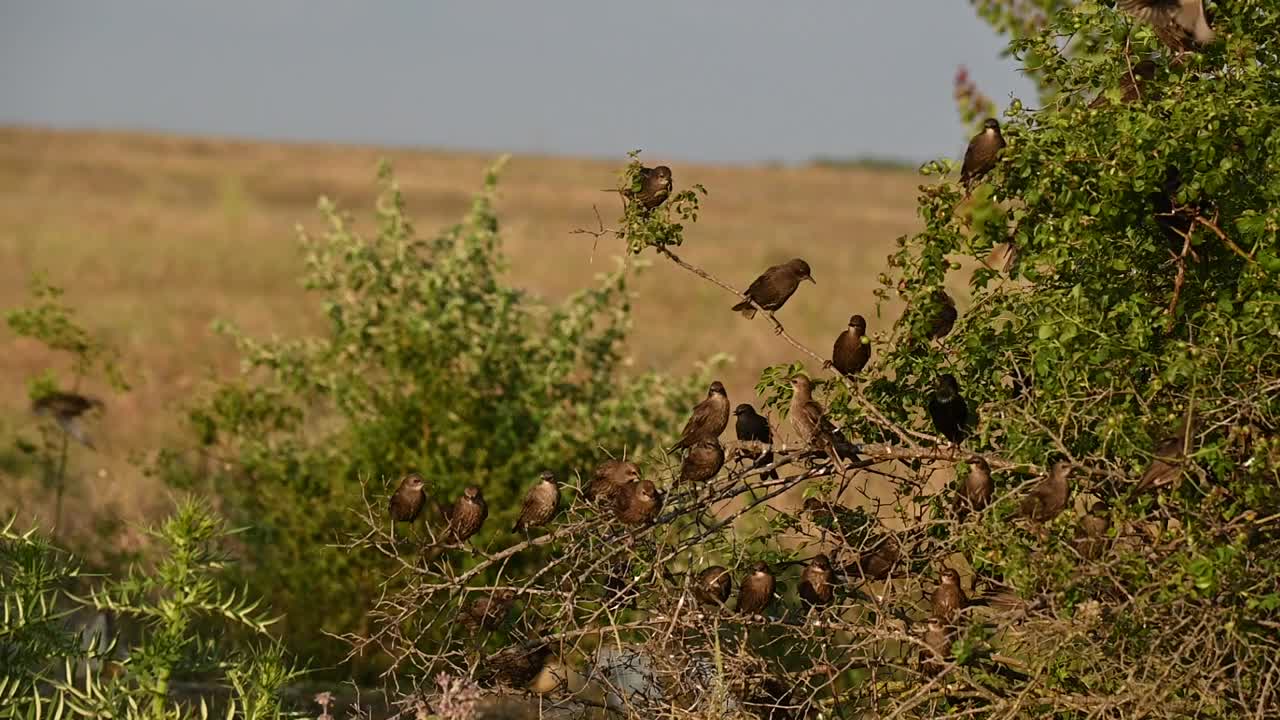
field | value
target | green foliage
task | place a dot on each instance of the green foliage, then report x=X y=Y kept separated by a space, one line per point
x=658 y=228
x=431 y=363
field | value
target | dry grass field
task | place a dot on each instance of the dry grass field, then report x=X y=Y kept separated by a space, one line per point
x=157 y=236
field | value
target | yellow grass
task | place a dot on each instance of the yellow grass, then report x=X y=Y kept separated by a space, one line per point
x=156 y=236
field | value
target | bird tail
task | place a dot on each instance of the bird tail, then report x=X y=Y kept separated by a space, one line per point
x=746 y=308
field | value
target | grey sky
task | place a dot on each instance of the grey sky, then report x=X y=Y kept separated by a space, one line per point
x=740 y=81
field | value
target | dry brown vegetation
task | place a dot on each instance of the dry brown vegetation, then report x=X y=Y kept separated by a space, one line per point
x=157 y=236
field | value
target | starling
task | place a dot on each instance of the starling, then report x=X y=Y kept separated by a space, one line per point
x=879 y=561
x=1166 y=465
x=408 y=499
x=703 y=462
x=638 y=503
x=945 y=315
x=756 y=590
x=977 y=490
x=1175 y=21
x=817 y=582
x=937 y=636
x=851 y=350
x=488 y=613
x=949 y=598
x=1174 y=222
x=1091 y=536
x=710 y=417
x=541 y=503
x=713 y=586
x=812 y=425
x=609 y=477
x=1131 y=84
x=1049 y=498
x=753 y=427
x=772 y=289
x=655 y=187
x=948 y=409
x=515 y=667
x=66 y=409
x=980 y=157
x=467 y=514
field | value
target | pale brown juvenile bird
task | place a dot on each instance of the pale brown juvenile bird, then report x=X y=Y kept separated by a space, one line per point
x=879 y=561
x=408 y=499
x=982 y=153
x=655 y=187
x=488 y=613
x=773 y=288
x=817 y=582
x=638 y=503
x=541 y=503
x=66 y=409
x=754 y=427
x=713 y=586
x=703 y=462
x=978 y=488
x=937 y=636
x=1091 y=536
x=756 y=590
x=1176 y=22
x=710 y=417
x=945 y=315
x=949 y=598
x=851 y=350
x=1049 y=497
x=467 y=514
x=1166 y=465
x=810 y=422
x=609 y=477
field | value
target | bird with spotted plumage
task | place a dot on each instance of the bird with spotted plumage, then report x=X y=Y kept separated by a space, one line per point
x=541 y=503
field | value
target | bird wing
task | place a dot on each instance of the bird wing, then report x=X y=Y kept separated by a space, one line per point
x=698 y=421
x=1151 y=11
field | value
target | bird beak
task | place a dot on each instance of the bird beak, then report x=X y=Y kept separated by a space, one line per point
x=810 y=279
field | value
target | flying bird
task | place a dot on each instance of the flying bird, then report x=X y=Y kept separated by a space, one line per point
x=713 y=586
x=1091 y=535
x=945 y=315
x=703 y=462
x=407 y=501
x=489 y=612
x=852 y=350
x=66 y=409
x=981 y=155
x=773 y=288
x=817 y=582
x=609 y=477
x=756 y=590
x=710 y=417
x=541 y=503
x=977 y=489
x=638 y=503
x=467 y=514
x=655 y=187
x=1049 y=497
x=753 y=427
x=948 y=409
x=949 y=598
x=1176 y=22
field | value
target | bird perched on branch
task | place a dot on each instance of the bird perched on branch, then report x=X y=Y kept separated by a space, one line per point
x=609 y=477
x=852 y=350
x=949 y=599
x=1166 y=463
x=408 y=499
x=1049 y=497
x=654 y=187
x=638 y=503
x=774 y=287
x=976 y=492
x=710 y=417
x=751 y=426
x=817 y=582
x=66 y=409
x=944 y=317
x=1177 y=23
x=713 y=585
x=541 y=503
x=756 y=590
x=983 y=151
x=880 y=560
x=811 y=424
x=516 y=666
x=703 y=462
x=948 y=410
x=1091 y=535
x=488 y=613
x=467 y=514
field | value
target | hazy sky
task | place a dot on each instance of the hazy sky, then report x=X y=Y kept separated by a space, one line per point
x=724 y=81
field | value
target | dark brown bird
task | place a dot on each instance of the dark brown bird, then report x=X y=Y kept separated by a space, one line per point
x=1131 y=84
x=1166 y=464
x=488 y=613
x=66 y=409
x=713 y=586
x=753 y=427
x=467 y=514
x=1177 y=22
x=937 y=636
x=515 y=667
x=703 y=462
x=773 y=288
x=710 y=417
x=852 y=350
x=879 y=561
x=982 y=153
x=949 y=598
x=949 y=411
x=756 y=590
x=638 y=503
x=817 y=582
x=541 y=503
x=945 y=315
x=1049 y=497
x=609 y=477
x=408 y=499
x=977 y=490
x=1091 y=535
x=654 y=187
